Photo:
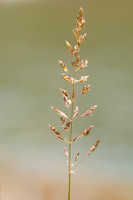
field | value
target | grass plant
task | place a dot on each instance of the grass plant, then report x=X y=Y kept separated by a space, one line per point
x=68 y=120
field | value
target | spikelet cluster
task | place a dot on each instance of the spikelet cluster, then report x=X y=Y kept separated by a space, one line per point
x=70 y=99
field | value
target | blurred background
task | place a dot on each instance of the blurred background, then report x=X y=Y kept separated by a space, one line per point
x=32 y=40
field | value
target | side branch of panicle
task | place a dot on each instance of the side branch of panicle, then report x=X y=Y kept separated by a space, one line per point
x=75 y=159
x=59 y=112
x=85 y=133
x=93 y=147
x=82 y=65
x=89 y=111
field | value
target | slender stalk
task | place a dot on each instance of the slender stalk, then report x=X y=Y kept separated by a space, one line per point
x=70 y=136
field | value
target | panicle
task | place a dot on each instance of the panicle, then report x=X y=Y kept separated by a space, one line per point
x=63 y=66
x=89 y=111
x=85 y=89
x=59 y=112
x=54 y=130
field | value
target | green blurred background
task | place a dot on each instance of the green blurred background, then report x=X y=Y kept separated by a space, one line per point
x=32 y=40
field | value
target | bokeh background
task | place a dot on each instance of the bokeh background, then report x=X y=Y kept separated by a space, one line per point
x=32 y=40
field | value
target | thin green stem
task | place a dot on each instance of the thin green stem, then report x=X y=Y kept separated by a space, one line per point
x=70 y=137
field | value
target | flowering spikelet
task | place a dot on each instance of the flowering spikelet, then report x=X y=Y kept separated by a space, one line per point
x=64 y=92
x=63 y=66
x=59 y=112
x=83 y=78
x=54 y=130
x=68 y=103
x=93 y=147
x=66 y=78
x=85 y=89
x=66 y=155
x=60 y=137
x=63 y=121
x=75 y=112
x=89 y=112
x=70 y=47
x=86 y=132
x=81 y=39
x=75 y=138
x=67 y=125
x=75 y=159
x=83 y=64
